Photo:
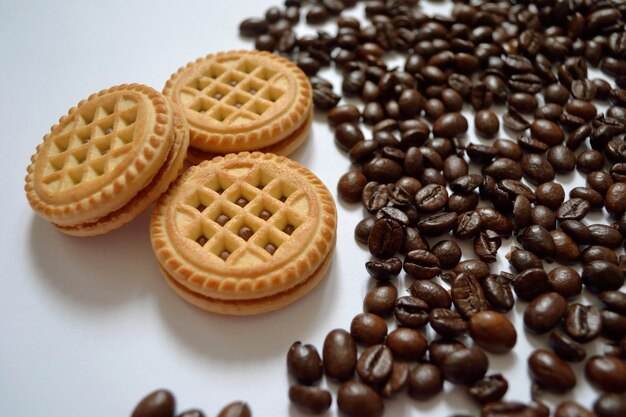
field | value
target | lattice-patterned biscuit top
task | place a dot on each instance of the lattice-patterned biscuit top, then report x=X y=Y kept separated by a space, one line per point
x=240 y=100
x=109 y=146
x=244 y=224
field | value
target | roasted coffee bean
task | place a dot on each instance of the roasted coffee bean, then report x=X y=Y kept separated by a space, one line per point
x=488 y=389
x=325 y=99
x=551 y=372
x=531 y=145
x=252 y=27
x=522 y=213
x=492 y=331
x=439 y=349
x=562 y=159
x=465 y=366
x=610 y=405
x=578 y=136
x=583 y=322
x=486 y=245
x=515 y=121
x=475 y=267
x=375 y=364
x=572 y=409
x=438 y=224
x=459 y=203
x=368 y=329
x=425 y=382
x=537 y=240
x=580 y=109
x=431 y=198
x=543 y=216
x=381 y=300
x=235 y=409
x=448 y=252
x=550 y=194
x=362 y=150
x=503 y=168
x=523 y=102
x=467 y=184
x=375 y=196
x=363 y=228
x=547 y=132
x=386 y=238
x=614 y=301
x=447 y=323
x=530 y=283
x=411 y=312
x=604 y=235
x=614 y=199
x=602 y=276
x=599 y=181
x=613 y=325
x=347 y=135
x=351 y=185
x=566 y=348
x=508 y=149
x=421 y=264
x=606 y=373
x=487 y=123
x=498 y=292
x=468 y=225
x=522 y=260
x=545 y=312
x=414 y=241
x=304 y=363
x=515 y=188
x=450 y=125
x=537 y=169
x=394 y=214
x=590 y=160
x=481 y=154
x=526 y=83
x=339 y=355
x=346 y=113
x=454 y=167
x=565 y=281
x=432 y=293
x=407 y=344
x=383 y=170
x=159 y=403
x=599 y=253
x=384 y=270
x=355 y=399
x=577 y=231
x=573 y=209
x=510 y=409
x=314 y=400
x=467 y=295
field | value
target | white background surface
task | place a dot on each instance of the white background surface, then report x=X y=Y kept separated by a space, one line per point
x=88 y=326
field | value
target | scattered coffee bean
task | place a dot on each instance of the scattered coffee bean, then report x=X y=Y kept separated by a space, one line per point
x=492 y=331
x=551 y=372
x=314 y=400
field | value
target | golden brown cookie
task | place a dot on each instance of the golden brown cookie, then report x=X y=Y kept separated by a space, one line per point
x=284 y=148
x=241 y=100
x=107 y=160
x=245 y=233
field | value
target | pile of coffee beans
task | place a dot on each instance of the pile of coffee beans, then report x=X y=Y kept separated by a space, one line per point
x=524 y=68
x=162 y=403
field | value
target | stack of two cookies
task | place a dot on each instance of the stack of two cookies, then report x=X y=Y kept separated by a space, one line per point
x=240 y=234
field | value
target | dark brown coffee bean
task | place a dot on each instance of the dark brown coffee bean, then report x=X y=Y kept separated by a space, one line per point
x=425 y=382
x=530 y=283
x=526 y=83
x=537 y=169
x=325 y=99
x=606 y=373
x=466 y=184
x=407 y=344
x=475 y=267
x=613 y=325
x=508 y=149
x=594 y=198
x=566 y=348
x=545 y=312
x=383 y=170
x=159 y=403
x=398 y=381
x=432 y=293
x=523 y=102
x=492 y=219
x=577 y=231
x=381 y=300
x=604 y=235
x=465 y=366
x=314 y=400
x=614 y=301
x=581 y=109
x=583 y=323
x=550 y=194
x=450 y=125
x=565 y=249
x=386 y=238
x=615 y=200
x=411 y=312
x=488 y=389
x=551 y=372
x=561 y=158
x=522 y=260
x=515 y=121
x=565 y=281
x=448 y=252
x=355 y=399
x=610 y=405
x=421 y=264
x=509 y=409
x=368 y=329
x=375 y=364
x=468 y=225
x=304 y=363
x=351 y=185
x=498 y=292
x=438 y=224
x=447 y=323
x=431 y=198
x=537 y=240
x=486 y=123
x=547 y=132
x=235 y=409
x=363 y=228
x=454 y=167
x=252 y=27
x=599 y=253
x=599 y=181
x=572 y=409
x=414 y=241
x=384 y=270
x=467 y=295
x=573 y=209
x=486 y=245
x=601 y=276
x=339 y=355
x=375 y=196
x=503 y=168
x=347 y=135
x=492 y=331
x=590 y=160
